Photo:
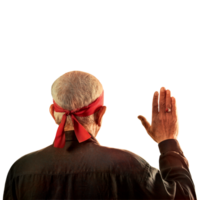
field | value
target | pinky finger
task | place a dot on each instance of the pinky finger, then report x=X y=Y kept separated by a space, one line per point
x=174 y=108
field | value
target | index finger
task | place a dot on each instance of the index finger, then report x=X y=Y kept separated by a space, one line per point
x=154 y=104
x=162 y=102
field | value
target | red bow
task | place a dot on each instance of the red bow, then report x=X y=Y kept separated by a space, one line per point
x=80 y=132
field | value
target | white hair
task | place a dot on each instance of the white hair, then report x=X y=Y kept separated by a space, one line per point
x=74 y=90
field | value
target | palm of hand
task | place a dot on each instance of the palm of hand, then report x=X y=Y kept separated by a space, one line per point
x=164 y=124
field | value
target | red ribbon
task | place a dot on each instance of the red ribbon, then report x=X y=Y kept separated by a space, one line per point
x=80 y=132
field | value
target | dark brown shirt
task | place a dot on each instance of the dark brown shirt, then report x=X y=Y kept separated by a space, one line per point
x=90 y=171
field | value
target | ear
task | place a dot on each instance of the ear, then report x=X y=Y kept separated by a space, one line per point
x=51 y=110
x=100 y=114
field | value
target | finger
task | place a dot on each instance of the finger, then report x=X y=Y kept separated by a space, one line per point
x=168 y=99
x=155 y=104
x=174 y=108
x=144 y=122
x=162 y=102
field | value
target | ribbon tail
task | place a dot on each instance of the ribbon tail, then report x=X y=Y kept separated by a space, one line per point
x=81 y=134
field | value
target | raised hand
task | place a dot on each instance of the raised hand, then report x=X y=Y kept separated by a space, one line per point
x=164 y=125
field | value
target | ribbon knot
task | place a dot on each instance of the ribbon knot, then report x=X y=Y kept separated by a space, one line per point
x=80 y=132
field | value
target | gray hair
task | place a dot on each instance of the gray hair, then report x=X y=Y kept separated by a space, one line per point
x=74 y=90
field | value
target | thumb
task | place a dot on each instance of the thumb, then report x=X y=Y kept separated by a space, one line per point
x=139 y=117
x=145 y=123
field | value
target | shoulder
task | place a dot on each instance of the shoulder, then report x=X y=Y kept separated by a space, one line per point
x=124 y=157
x=26 y=162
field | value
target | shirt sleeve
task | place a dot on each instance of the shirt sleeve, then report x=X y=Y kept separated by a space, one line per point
x=173 y=180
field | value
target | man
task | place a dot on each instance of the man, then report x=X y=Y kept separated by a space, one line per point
x=76 y=166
